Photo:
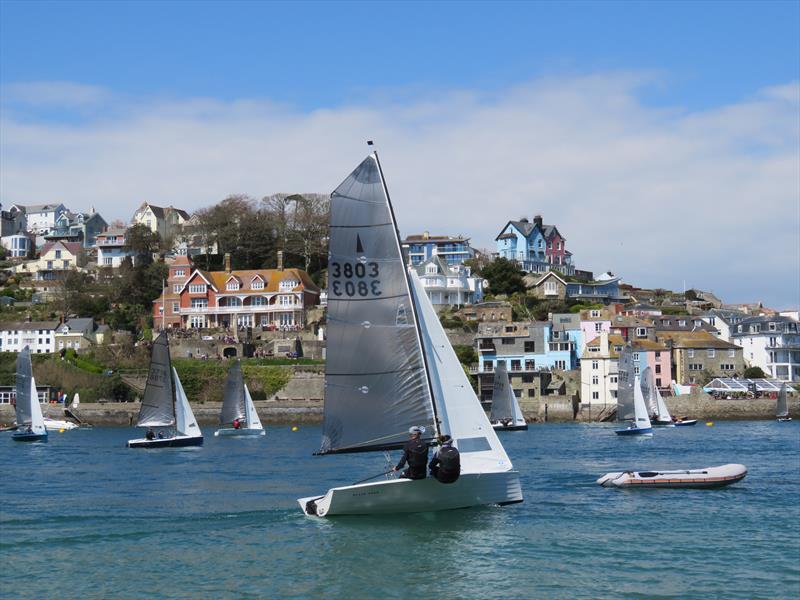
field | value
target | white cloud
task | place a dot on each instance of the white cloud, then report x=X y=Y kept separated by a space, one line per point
x=657 y=195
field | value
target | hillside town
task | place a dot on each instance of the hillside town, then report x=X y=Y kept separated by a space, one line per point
x=73 y=282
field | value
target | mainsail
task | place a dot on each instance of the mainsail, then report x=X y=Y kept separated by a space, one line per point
x=625 y=408
x=158 y=409
x=233 y=405
x=782 y=407
x=502 y=395
x=376 y=380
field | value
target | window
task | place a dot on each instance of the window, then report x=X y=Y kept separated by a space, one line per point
x=197 y=288
x=710 y=353
x=690 y=352
x=595 y=365
x=595 y=395
x=530 y=346
x=595 y=380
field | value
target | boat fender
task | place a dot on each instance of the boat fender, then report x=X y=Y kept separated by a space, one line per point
x=311 y=508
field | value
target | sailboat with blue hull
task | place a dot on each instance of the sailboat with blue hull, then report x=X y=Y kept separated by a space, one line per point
x=631 y=407
x=390 y=367
x=30 y=420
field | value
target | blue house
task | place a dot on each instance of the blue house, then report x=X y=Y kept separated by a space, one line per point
x=451 y=250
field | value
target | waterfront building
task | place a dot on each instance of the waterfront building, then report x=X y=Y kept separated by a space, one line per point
x=449 y=285
x=111 y=250
x=39 y=336
x=698 y=355
x=536 y=247
x=165 y=221
x=452 y=250
x=267 y=298
x=772 y=343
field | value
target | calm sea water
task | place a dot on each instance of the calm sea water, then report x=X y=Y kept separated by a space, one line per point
x=85 y=517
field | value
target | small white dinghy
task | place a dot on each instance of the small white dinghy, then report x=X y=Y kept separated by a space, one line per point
x=710 y=477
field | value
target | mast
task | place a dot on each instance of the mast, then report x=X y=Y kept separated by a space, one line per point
x=436 y=422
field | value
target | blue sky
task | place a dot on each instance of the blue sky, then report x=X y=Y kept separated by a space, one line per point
x=586 y=112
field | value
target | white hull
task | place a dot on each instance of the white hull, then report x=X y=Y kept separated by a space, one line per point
x=709 y=477
x=57 y=424
x=407 y=496
x=241 y=432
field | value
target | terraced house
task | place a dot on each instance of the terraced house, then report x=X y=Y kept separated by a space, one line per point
x=268 y=298
x=536 y=247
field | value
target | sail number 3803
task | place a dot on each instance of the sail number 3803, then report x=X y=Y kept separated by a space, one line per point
x=360 y=279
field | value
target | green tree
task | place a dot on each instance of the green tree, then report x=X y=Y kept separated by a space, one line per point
x=504 y=276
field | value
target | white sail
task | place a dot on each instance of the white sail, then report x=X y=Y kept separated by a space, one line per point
x=458 y=409
x=376 y=382
x=185 y=422
x=502 y=395
x=642 y=419
x=253 y=422
x=782 y=406
x=625 y=384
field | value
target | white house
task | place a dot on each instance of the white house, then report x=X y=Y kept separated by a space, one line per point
x=39 y=336
x=449 y=285
x=111 y=248
x=772 y=343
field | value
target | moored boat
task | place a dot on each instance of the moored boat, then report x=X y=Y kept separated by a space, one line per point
x=709 y=477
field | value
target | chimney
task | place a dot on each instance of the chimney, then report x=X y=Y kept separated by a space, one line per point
x=280 y=260
x=537 y=219
x=227 y=259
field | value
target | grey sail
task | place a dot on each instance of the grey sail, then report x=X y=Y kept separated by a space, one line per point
x=782 y=408
x=158 y=407
x=23 y=387
x=502 y=395
x=376 y=382
x=233 y=406
x=625 y=384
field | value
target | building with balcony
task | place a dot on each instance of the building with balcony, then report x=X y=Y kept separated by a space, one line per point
x=536 y=247
x=448 y=285
x=111 y=251
x=451 y=250
x=39 y=336
x=772 y=343
x=267 y=298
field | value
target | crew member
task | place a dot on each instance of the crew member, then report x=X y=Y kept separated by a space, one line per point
x=415 y=453
x=446 y=463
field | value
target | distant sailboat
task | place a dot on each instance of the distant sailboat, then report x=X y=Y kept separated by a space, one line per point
x=782 y=407
x=165 y=406
x=30 y=421
x=390 y=366
x=630 y=402
x=238 y=416
x=653 y=400
x=506 y=414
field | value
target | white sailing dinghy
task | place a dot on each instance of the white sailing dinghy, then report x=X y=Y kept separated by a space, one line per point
x=630 y=401
x=30 y=421
x=655 y=403
x=709 y=477
x=506 y=414
x=782 y=406
x=238 y=416
x=165 y=408
x=390 y=366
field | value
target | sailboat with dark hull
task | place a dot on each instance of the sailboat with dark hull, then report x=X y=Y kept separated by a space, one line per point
x=390 y=366
x=238 y=416
x=30 y=420
x=506 y=414
x=165 y=410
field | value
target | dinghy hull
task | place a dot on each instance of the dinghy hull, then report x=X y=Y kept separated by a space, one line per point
x=241 y=432
x=407 y=496
x=707 y=478
x=29 y=437
x=179 y=441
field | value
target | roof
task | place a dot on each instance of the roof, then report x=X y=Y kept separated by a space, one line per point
x=29 y=326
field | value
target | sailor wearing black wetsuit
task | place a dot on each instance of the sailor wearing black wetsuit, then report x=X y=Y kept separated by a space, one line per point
x=415 y=453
